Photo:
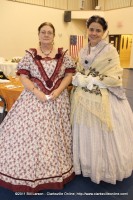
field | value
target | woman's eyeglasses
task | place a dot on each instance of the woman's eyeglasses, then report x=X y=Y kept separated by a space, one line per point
x=49 y=33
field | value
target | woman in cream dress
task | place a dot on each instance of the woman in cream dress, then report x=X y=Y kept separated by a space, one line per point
x=102 y=120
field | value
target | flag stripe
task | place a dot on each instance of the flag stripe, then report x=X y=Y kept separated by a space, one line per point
x=76 y=43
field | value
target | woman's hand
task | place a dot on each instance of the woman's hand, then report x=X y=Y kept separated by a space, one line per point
x=64 y=84
x=54 y=94
x=40 y=95
x=29 y=85
x=80 y=80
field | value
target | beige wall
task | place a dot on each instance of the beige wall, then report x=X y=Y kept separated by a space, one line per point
x=120 y=20
x=19 y=23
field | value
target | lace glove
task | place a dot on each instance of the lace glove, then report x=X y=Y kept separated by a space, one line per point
x=80 y=80
x=94 y=81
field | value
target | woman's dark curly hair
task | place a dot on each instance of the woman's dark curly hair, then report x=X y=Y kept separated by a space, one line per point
x=97 y=19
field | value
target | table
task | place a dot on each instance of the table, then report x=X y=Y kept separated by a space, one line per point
x=9 y=68
x=10 y=91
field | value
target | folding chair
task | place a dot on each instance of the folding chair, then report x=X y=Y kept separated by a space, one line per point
x=3 y=110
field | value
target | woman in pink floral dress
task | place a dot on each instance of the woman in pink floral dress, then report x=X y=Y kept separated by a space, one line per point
x=35 y=136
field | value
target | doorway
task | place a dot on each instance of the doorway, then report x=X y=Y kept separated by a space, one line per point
x=123 y=44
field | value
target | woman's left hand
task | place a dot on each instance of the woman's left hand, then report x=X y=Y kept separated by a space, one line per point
x=54 y=94
x=64 y=84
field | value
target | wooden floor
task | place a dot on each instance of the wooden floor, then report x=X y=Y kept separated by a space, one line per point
x=128 y=84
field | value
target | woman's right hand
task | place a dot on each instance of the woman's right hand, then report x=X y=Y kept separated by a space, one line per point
x=40 y=95
x=29 y=85
x=79 y=80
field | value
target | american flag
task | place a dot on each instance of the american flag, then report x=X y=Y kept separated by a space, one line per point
x=76 y=43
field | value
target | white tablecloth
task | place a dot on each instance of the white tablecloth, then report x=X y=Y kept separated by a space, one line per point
x=8 y=68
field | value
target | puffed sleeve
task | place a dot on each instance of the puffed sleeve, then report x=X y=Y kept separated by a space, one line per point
x=24 y=66
x=69 y=64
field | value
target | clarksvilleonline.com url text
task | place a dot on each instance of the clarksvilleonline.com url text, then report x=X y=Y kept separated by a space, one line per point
x=74 y=193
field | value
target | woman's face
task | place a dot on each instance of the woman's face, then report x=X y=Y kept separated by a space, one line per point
x=46 y=35
x=95 y=33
